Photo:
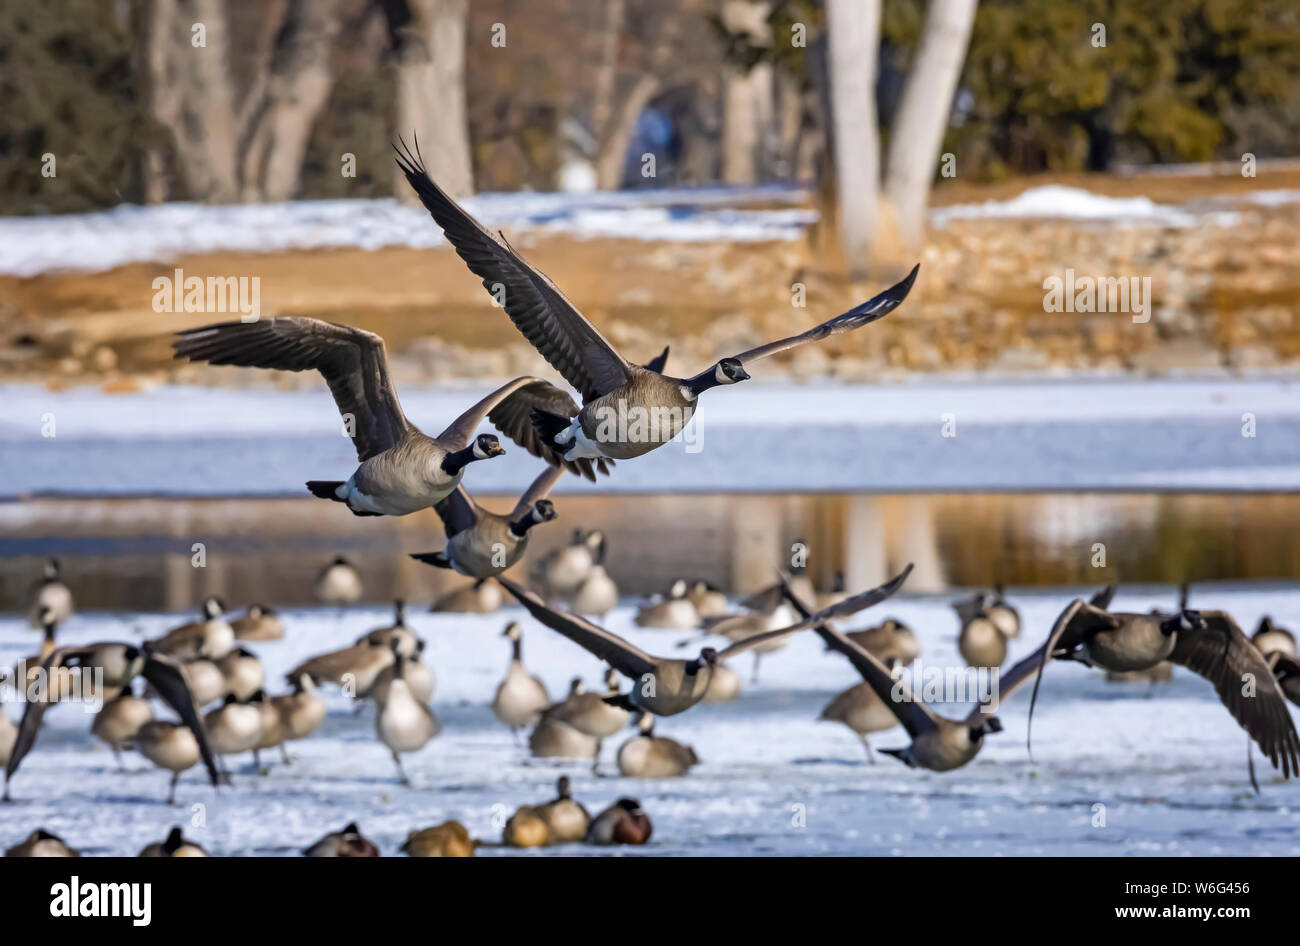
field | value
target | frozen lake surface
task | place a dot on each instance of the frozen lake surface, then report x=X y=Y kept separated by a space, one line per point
x=1167 y=763
x=928 y=435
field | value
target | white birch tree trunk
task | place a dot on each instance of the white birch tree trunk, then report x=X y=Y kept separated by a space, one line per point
x=923 y=113
x=431 y=95
x=854 y=46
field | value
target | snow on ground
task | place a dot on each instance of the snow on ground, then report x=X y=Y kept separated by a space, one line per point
x=130 y=233
x=1168 y=763
x=1055 y=435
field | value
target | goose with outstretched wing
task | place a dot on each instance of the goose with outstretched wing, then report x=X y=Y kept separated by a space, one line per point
x=666 y=686
x=120 y=664
x=628 y=410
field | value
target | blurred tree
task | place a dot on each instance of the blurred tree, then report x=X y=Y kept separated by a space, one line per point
x=69 y=91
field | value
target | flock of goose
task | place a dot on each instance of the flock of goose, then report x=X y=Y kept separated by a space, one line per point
x=206 y=672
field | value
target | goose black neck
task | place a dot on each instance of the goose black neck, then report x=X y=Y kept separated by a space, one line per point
x=49 y=632
x=1170 y=625
x=703 y=381
x=517 y=648
x=519 y=528
x=457 y=460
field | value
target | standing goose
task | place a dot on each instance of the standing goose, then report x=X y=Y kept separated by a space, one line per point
x=417 y=674
x=204 y=678
x=862 y=710
x=339 y=583
x=120 y=664
x=175 y=845
x=646 y=755
x=709 y=601
x=891 y=639
x=234 y=727
x=592 y=714
x=259 y=623
x=938 y=743
x=980 y=641
x=553 y=738
x=8 y=736
x=119 y=721
x=1003 y=614
x=170 y=746
x=1286 y=671
x=673 y=610
x=481 y=544
x=403 y=723
x=666 y=686
x=396 y=633
x=597 y=594
x=566 y=820
x=479 y=597
x=521 y=697
x=627 y=410
x=402 y=470
x=1211 y=645
x=1270 y=638
x=273 y=731
x=301 y=712
x=562 y=571
x=211 y=637
x=242 y=673
x=50 y=592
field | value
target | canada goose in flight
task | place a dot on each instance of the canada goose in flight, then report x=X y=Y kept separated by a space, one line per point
x=566 y=820
x=211 y=637
x=593 y=714
x=41 y=843
x=449 y=839
x=171 y=746
x=891 y=639
x=980 y=641
x=646 y=755
x=525 y=828
x=119 y=721
x=301 y=712
x=417 y=674
x=562 y=571
x=862 y=710
x=402 y=470
x=1211 y=645
x=260 y=622
x=120 y=664
x=709 y=601
x=403 y=723
x=407 y=641
x=479 y=597
x=1270 y=638
x=481 y=544
x=666 y=686
x=345 y=843
x=234 y=727
x=938 y=743
x=242 y=673
x=673 y=610
x=608 y=383
x=339 y=583
x=624 y=822
x=175 y=845
x=354 y=668
x=521 y=697
x=50 y=592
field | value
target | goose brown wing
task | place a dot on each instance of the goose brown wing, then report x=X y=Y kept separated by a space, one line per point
x=352 y=362
x=514 y=418
x=538 y=309
x=1222 y=654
